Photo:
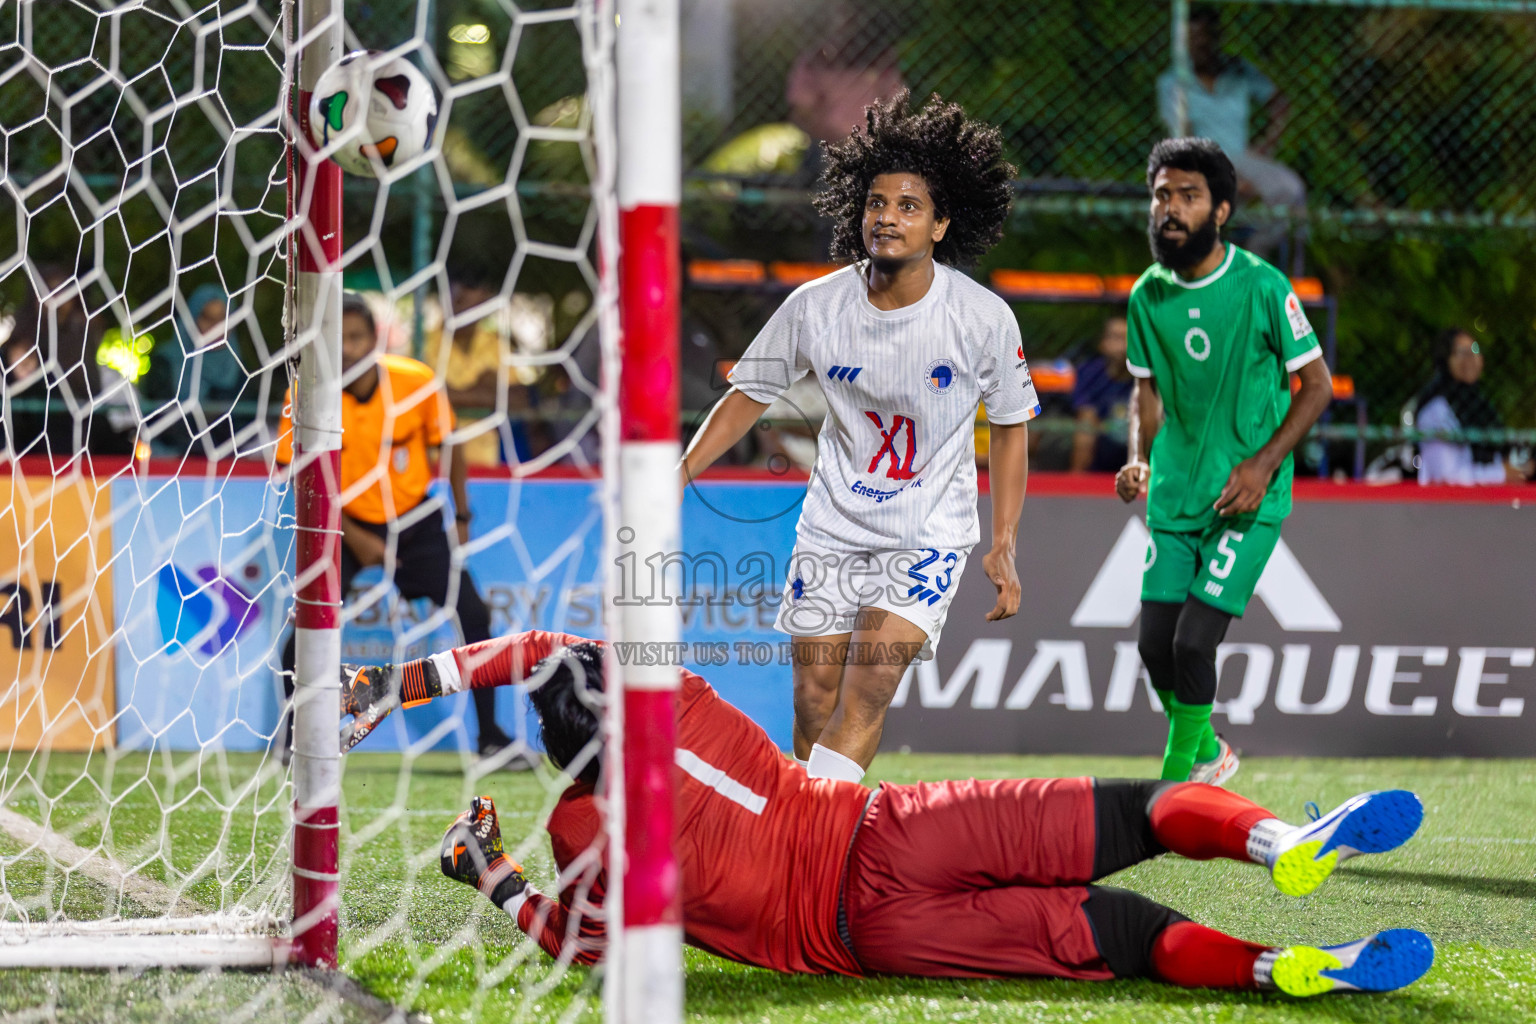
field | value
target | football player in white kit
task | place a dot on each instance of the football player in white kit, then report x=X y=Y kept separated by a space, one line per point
x=905 y=348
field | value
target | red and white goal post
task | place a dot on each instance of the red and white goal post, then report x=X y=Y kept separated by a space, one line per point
x=315 y=199
x=644 y=982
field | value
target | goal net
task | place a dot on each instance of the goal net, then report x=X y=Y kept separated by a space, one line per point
x=196 y=461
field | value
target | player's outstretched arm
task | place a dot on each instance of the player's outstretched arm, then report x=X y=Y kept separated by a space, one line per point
x=370 y=692
x=1008 y=469
x=728 y=422
x=1250 y=478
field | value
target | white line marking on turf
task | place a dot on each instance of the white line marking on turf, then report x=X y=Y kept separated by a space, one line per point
x=148 y=892
x=1482 y=840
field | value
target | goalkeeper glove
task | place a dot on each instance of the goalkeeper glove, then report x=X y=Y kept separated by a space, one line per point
x=472 y=853
x=370 y=692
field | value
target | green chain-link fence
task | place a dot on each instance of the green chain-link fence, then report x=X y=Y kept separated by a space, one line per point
x=1408 y=127
x=1392 y=155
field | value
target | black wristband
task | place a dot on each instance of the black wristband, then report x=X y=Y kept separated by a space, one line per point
x=462 y=517
x=430 y=677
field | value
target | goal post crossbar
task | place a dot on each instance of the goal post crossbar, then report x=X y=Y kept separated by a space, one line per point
x=140 y=952
x=204 y=940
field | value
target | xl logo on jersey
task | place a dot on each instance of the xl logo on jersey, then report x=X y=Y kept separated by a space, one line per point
x=843 y=373
x=900 y=467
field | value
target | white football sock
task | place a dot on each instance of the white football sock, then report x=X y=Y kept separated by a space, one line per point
x=1263 y=968
x=826 y=763
x=1264 y=839
x=447 y=671
x=513 y=905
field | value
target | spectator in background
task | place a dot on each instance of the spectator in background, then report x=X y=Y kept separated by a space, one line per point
x=473 y=369
x=1219 y=107
x=393 y=412
x=835 y=77
x=195 y=379
x=833 y=81
x=1452 y=401
x=27 y=389
x=1101 y=393
x=54 y=327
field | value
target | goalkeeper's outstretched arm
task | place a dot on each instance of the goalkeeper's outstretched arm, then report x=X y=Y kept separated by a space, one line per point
x=370 y=693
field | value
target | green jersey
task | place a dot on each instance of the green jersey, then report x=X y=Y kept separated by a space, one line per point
x=1221 y=350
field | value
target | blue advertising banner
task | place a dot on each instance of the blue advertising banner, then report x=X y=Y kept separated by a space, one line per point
x=534 y=552
x=201 y=592
x=205 y=584
x=1344 y=651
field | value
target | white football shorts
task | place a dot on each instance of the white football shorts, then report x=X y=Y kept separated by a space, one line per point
x=826 y=588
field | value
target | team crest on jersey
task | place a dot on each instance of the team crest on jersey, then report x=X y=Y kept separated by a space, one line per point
x=1198 y=344
x=1300 y=328
x=402 y=458
x=941 y=376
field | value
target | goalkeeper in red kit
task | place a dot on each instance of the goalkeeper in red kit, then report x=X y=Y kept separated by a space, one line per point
x=947 y=879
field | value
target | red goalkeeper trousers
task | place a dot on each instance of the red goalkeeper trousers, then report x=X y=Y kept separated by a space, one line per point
x=975 y=879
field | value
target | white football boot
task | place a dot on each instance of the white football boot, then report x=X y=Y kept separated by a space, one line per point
x=1377 y=963
x=1299 y=858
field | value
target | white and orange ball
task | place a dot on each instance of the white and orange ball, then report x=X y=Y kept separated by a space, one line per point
x=379 y=108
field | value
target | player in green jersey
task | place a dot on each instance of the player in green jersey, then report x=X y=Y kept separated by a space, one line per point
x=1215 y=335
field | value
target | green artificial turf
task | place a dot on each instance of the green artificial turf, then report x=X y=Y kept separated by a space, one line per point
x=439 y=950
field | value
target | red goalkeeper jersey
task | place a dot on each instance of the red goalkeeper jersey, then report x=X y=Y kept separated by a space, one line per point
x=763 y=849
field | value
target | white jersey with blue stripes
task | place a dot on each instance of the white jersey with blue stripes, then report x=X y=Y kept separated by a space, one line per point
x=896 y=461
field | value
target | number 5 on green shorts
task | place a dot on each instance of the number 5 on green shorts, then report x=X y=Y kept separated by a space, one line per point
x=1220 y=565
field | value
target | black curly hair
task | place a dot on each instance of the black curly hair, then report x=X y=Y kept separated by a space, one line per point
x=961 y=161
x=566 y=690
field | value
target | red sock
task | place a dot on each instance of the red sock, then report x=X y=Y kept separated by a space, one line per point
x=1201 y=822
x=1195 y=956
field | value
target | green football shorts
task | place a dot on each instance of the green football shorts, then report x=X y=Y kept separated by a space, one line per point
x=1221 y=565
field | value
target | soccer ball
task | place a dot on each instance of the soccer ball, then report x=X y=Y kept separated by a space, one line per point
x=383 y=109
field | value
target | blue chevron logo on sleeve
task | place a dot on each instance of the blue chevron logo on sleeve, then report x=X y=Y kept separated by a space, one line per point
x=843 y=373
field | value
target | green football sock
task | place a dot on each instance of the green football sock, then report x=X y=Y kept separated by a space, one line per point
x=1187 y=724
x=1209 y=746
x=1166 y=696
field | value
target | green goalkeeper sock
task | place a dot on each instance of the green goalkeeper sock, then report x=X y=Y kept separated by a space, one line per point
x=1209 y=746
x=1187 y=724
x=1166 y=696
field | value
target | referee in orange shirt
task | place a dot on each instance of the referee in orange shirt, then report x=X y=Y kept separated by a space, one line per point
x=394 y=415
